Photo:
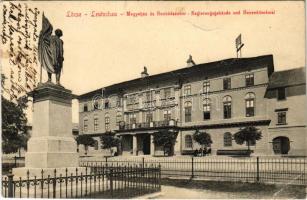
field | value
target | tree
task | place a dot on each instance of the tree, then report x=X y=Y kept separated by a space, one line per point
x=202 y=138
x=108 y=141
x=85 y=140
x=248 y=134
x=14 y=124
x=166 y=139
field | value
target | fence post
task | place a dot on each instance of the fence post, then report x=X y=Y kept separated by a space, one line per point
x=192 y=167
x=54 y=183
x=15 y=161
x=106 y=160
x=258 y=177
x=10 y=186
x=143 y=163
x=111 y=182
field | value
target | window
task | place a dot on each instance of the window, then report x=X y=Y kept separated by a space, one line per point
x=118 y=102
x=85 y=108
x=206 y=87
x=118 y=117
x=85 y=125
x=226 y=83
x=281 y=93
x=148 y=117
x=282 y=117
x=95 y=124
x=188 y=141
x=96 y=105
x=167 y=93
x=227 y=107
x=188 y=111
x=249 y=80
x=107 y=122
x=106 y=104
x=207 y=107
x=227 y=139
x=132 y=118
x=250 y=104
x=167 y=115
x=187 y=90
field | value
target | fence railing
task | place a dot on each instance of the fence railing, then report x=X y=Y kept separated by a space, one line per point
x=97 y=182
x=254 y=169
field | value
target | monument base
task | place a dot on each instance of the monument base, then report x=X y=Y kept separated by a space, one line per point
x=37 y=172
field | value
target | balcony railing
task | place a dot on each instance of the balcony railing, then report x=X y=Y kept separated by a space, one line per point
x=168 y=102
x=154 y=124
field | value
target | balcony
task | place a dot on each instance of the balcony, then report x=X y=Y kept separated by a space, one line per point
x=149 y=104
x=145 y=125
x=168 y=102
x=133 y=106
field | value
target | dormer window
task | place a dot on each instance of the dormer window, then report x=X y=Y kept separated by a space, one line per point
x=96 y=105
x=249 y=80
x=85 y=108
x=281 y=93
x=226 y=83
x=187 y=90
x=106 y=104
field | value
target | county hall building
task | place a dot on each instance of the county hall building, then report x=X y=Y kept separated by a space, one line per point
x=217 y=97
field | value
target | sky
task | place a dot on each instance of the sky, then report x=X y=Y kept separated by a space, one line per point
x=100 y=51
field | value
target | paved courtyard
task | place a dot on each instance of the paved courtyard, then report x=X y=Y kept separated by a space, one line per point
x=216 y=190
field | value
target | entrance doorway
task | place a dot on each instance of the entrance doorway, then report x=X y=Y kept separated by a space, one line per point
x=281 y=145
x=146 y=144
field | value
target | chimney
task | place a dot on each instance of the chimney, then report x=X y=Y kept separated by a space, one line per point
x=190 y=62
x=144 y=73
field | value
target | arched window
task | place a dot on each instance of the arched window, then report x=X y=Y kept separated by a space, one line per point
x=188 y=111
x=227 y=139
x=207 y=108
x=227 y=107
x=250 y=104
x=188 y=141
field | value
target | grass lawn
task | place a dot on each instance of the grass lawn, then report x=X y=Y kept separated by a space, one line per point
x=234 y=190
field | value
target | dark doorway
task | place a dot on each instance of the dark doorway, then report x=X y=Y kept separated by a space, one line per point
x=146 y=144
x=281 y=145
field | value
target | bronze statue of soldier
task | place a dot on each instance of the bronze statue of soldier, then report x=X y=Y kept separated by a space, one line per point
x=50 y=50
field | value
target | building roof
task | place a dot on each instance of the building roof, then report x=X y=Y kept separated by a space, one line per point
x=210 y=70
x=288 y=78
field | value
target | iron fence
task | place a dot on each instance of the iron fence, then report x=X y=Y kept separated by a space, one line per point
x=254 y=169
x=97 y=182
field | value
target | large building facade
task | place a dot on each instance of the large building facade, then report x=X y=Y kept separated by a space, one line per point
x=218 y=97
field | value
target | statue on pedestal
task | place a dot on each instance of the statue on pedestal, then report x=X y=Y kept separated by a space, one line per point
x=50 y=50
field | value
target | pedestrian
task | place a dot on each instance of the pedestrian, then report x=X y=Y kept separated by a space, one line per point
x=205 y=151
x=201 y=152
x=196 y=152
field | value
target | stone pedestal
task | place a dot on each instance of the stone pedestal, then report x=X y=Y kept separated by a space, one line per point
x=51 y=145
